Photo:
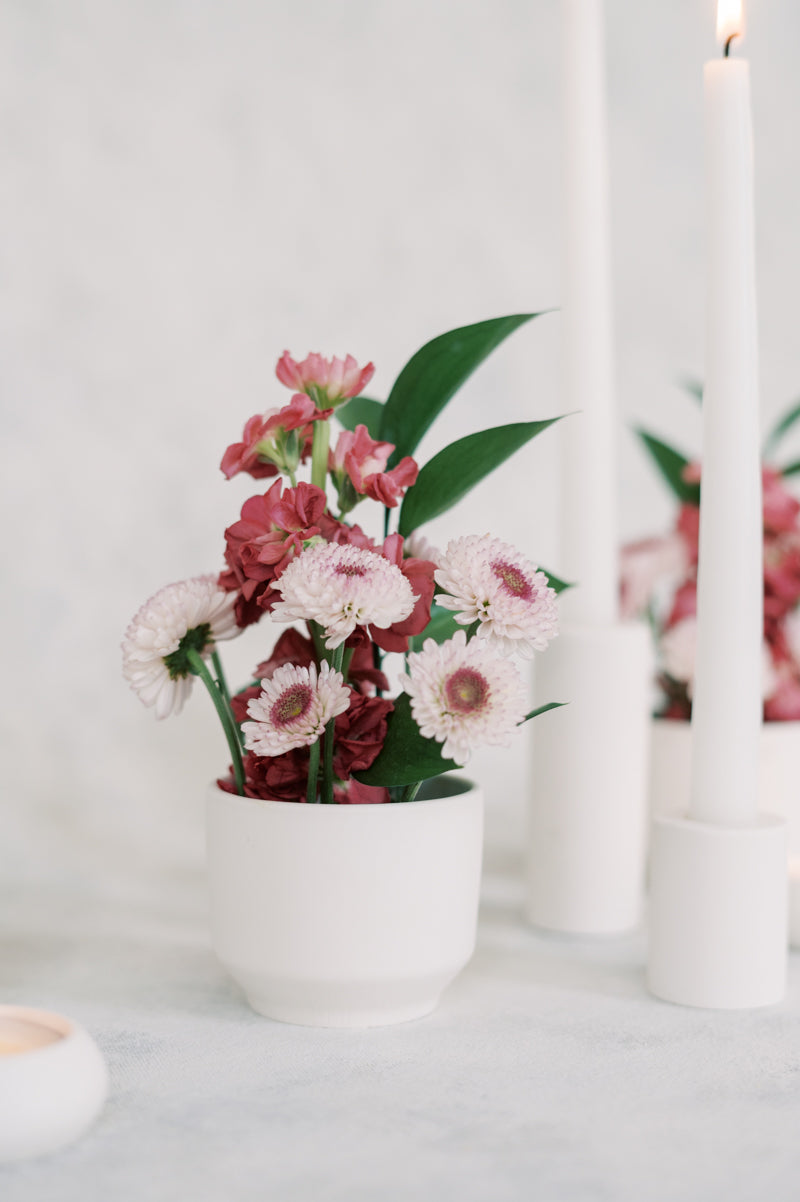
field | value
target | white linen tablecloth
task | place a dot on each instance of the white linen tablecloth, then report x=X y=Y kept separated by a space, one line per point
x=547 y=1073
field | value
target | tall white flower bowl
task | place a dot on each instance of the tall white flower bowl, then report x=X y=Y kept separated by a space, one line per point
x=345 y=915
x=778 y=786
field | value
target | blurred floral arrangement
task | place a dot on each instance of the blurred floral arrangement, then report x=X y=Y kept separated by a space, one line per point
x=659 y=579
x=315 y=722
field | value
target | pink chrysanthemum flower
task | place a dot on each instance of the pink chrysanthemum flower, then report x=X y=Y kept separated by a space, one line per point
x=191 y=614
x=326 y=381
x=294 y=708
x=487 y=581
x=342 y=587
x=462 y=695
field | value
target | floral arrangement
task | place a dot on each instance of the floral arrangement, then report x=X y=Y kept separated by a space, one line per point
x=659 y=579
x=316 y=722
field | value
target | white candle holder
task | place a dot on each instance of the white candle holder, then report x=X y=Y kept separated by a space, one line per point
x=53 y=1082
x=718 y=910
x=587 y=829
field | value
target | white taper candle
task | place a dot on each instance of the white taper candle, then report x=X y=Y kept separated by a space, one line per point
x=589 y=504
x=727 y=695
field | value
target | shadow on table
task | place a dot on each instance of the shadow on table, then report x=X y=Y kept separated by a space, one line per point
x=509 y=949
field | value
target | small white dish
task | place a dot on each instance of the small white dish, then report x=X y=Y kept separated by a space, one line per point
x=53 y=1082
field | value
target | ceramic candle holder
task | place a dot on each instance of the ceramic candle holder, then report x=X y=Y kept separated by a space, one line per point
x=53 y=1082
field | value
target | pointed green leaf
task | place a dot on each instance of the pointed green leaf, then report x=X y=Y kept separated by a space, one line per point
x=671 y=464
x=434 y=374
x=361 y=411
x=782 y=427
x=406 y=756
x=452 y=473
x=693 y=387
x=556 y=583
x=791 y=469
x=543 y=709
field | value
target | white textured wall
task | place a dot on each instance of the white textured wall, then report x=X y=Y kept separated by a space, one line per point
x=190 y=187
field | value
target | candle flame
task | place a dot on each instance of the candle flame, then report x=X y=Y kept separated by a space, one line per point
x=730 y=20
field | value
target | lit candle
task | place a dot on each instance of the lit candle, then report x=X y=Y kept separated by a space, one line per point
x=727 y=695
x=588 y=510
x=19 y=1035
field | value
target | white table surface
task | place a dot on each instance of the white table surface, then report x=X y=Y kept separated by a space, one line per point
x=547 y=1073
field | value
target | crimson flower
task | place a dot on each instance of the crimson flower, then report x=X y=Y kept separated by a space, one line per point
x=271 y=530
x=274 y=441
x=360 y=461
x=326 y=381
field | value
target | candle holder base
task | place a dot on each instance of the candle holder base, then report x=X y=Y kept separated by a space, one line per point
x=588 y=807
x=718 y=912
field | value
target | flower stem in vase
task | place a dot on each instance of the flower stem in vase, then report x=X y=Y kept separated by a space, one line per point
x=312 y=794
x=199 y=667
x=337 y=659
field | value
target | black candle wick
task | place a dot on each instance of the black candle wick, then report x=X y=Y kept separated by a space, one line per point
x=726 y=52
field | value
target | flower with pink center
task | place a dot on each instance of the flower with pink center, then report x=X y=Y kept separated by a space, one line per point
x=342 y=587
x=293 y=709
x=488 y=582
x=678 y=657
x=189 y=615
x=275 y=441
x=463 y=695
x=647 y=568
x=326 y=381
x=358 y=460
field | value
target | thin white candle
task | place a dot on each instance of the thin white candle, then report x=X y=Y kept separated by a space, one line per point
x=727 y=696
x=589 y=507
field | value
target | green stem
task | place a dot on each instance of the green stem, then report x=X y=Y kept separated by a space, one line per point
x=200 y=668
x=319 y=454
x=327 y=766
x=411 y=791
x=313 y=772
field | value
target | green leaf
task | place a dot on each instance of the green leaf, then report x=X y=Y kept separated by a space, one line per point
x=693 y=387
x=434 y=374
x=791 y=469
x=442 y=626
x=452 y=473
x=361 y=411
x=781 y=427
x=406 y=756
x=671 y=464
x=543 y=709
x=556 y=583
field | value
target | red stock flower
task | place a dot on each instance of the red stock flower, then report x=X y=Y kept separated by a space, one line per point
x=359 y=734
x=357 y=457
x=327 y=381
x=272 y=529
x=354 y=793
x=780 y=507
x=781 y=574
x=266 y=447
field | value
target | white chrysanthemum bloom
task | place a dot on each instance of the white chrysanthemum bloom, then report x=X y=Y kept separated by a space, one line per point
x=342 y=587
x=416 y=546
x=678 y=657
x=487 y=581
x=677 y=651
x=192 y=614
x=463 y=695
x=294 y=708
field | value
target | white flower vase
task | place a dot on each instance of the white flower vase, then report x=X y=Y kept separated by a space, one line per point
x=779 y=786
x=346 y=915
